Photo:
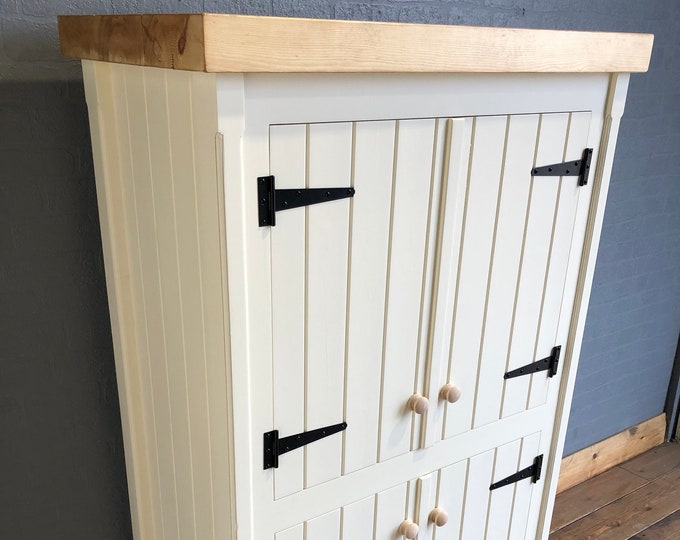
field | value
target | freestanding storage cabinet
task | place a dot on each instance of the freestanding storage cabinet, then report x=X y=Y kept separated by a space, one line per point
x=348 y=266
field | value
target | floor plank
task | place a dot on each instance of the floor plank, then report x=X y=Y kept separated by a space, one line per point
x=593 y=494
x=666 y=529
x=629 y=515
x=655 y=462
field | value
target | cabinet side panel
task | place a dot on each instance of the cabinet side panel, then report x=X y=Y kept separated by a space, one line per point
x=166 y=126
x=163 y=240
x=189 y=268
x=109 y=129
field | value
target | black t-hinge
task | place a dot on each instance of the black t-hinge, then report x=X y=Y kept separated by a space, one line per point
x=580 y=168
x=548 y=364
x=533 y=472
x=271 y=200
x=274 y=447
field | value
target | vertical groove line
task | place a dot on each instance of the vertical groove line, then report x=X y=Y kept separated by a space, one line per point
x=143 y=295
x=199 y=262
x=342 y=522
x=181 y=303
x=464 y=501
x=514 y=491
x=160 y=298
x=387 y=285
x=491 y=265
x=521 y=264
x=488 y=503
x=460 y=260
x=375 y=516
x=306 y=309
x=548 y=262
x=348 y=295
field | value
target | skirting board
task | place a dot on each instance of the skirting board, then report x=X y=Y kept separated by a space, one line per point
x=595 y=459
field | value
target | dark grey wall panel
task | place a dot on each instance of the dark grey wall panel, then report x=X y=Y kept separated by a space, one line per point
x=61 y=450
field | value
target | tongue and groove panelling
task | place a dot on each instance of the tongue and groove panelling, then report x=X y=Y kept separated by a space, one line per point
x=461 y=490
x=167 y=178
x=353 y=290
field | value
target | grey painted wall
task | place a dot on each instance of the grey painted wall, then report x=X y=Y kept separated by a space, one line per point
x=60 y=448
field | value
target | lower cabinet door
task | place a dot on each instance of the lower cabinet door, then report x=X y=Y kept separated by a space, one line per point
x=485 y=497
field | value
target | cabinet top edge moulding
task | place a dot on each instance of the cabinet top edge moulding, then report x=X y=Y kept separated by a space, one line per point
x=221 y=43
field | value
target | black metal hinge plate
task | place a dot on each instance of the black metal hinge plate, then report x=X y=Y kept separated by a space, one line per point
x=579 y=168
x=274 y=447
x=548 y=364
x=271 y=200
x=533 y=472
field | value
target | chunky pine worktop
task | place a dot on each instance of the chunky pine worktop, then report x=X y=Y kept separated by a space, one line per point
x=246 y=44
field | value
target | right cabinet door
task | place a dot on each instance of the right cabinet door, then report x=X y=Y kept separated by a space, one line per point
x=505 y=242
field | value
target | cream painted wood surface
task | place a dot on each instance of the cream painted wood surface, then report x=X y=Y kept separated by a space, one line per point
x=246 y=44
x=461 y=489
x=450 y=265
x=169 y=221
x=374 y=144
x=586 y=239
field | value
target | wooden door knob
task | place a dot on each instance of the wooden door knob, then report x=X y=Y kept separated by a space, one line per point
x=450 y=393
x=439 y=517
x=418 y=404
x=408 y=529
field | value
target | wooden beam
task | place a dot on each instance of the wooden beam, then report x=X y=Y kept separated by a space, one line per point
x=169 y=41
x=248 y=44
x=599 y=457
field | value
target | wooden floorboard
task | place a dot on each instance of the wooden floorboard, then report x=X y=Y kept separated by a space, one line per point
x=655 y=462
x=581 y=500
x=639 y=499
x=666 y=529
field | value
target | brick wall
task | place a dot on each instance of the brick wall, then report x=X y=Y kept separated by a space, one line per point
x=61 y=451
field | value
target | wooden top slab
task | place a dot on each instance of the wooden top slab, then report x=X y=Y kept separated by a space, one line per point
x=246 y=44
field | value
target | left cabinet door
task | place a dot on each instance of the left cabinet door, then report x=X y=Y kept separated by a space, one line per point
x=348 y=291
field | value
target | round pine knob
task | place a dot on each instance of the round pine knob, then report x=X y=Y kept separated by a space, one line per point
x=408 y=529
x=439 y=517
x=418 y=404
x=450 y=393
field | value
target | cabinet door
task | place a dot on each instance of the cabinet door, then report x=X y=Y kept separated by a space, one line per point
x=504 y=254
x=452 y=503
x=349 y=302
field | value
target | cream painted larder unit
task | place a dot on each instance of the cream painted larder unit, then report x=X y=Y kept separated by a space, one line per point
x=348 y=266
